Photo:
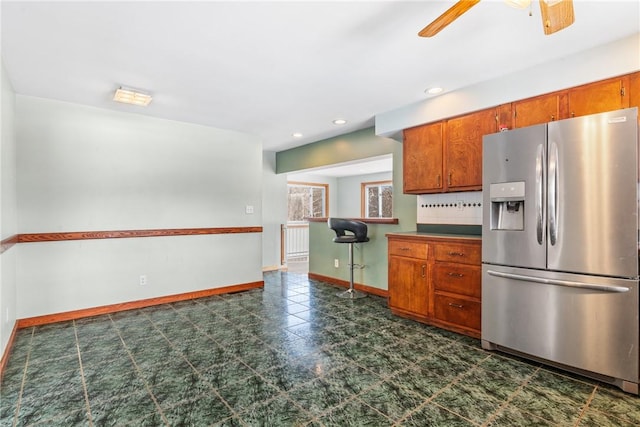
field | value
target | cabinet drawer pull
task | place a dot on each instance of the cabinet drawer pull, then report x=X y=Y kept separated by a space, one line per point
x=456 y=253
x=455 y=274
x=456 y=305
x=449 y=180
x=405 y=249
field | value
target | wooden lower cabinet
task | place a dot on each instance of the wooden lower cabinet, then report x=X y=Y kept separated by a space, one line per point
x=436 y=280
x=408 y=285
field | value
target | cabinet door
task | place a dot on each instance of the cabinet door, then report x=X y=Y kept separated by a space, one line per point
x=463 y=149
x=606 y=95
x=634 y=90
x=533 y=111
x=422 y=159
x=408 y=284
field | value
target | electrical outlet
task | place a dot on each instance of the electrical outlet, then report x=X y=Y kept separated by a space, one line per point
x=143 y=280
x=459 y=204
x=336 y=263
x=248 y=209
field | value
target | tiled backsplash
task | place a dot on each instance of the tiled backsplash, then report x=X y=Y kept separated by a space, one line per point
x=450 y=208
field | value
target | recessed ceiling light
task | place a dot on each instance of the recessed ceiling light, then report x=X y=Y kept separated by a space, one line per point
x=339 y=122
x=296 y=135
x=518 y=4
x=433 y=90
x=132 y=96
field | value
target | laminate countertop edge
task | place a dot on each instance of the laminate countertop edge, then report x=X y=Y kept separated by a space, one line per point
x=422 y=235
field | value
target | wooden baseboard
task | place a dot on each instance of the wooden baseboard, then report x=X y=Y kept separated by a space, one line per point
x=345 y=284
x=7 y=350
x=114 y=308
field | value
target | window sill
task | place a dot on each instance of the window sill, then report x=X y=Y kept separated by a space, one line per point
x=365 y=220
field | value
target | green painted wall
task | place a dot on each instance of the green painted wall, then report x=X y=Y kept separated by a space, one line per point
x=373 y=254
x=352 y=146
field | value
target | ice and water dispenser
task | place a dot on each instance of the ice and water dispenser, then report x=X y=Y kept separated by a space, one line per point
x=507 y=205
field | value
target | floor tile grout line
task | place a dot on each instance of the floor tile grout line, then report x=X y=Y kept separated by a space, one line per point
x=450 y=385
x=24 y=379
x=196 y=371
x=510 y=398
x=586 y=406
x=82 y=376
x=137 y=367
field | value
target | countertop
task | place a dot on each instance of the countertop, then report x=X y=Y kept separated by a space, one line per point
x=419 y=234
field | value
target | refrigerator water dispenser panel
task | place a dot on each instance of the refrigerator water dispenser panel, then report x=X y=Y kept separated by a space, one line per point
x=507 y=205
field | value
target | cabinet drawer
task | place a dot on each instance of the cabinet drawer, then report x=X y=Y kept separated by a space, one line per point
x=457 y=278
x=458 y=252
x=408 y=249
x=457 y=311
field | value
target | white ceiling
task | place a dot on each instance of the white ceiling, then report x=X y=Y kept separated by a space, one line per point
x=273 y=68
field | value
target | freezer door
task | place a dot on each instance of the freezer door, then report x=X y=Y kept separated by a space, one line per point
x=592 y=194
x=516 y=157
x=586 y=322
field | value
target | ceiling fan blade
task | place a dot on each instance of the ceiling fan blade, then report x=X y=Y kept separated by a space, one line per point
x=556 y=15
x=447 y=17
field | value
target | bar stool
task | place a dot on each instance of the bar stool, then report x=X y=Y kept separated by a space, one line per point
x=358 y=230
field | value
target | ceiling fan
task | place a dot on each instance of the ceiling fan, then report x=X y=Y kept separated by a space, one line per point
x=556 y=15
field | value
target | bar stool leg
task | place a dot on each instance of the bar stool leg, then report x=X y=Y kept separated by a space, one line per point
x=351 y=293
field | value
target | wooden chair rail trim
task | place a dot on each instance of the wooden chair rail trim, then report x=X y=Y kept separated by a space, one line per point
x=7 y=243
x=120 y=234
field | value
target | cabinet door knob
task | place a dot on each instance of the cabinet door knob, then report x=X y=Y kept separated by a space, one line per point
x=449 y=179
x=423 y=270
x=455 y=274
x=456 y=305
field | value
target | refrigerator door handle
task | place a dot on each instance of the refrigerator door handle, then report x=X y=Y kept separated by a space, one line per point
x=552 y=201
x=539 y=192
x=558 y=282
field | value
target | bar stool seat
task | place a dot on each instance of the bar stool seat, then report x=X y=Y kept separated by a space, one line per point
x=349 y=231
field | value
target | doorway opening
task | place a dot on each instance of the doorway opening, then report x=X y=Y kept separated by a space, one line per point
x=305 y=200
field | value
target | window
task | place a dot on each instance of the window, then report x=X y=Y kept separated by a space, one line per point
x=307 y=200
x=377 y=199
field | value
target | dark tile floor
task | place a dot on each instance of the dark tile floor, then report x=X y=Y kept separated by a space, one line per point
x=291 y=354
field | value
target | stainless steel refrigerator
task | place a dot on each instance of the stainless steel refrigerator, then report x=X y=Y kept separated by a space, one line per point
x=560 y=245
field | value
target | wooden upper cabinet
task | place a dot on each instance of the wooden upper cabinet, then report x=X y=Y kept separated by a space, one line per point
x=447 y=155
x=541 y=109
x=463 y=149
x=598 y=97
x=634 y=90
x=504 y=116
x=422 y=159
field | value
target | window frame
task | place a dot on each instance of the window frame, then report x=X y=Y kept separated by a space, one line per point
x=363 y=196
x=312 y=185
